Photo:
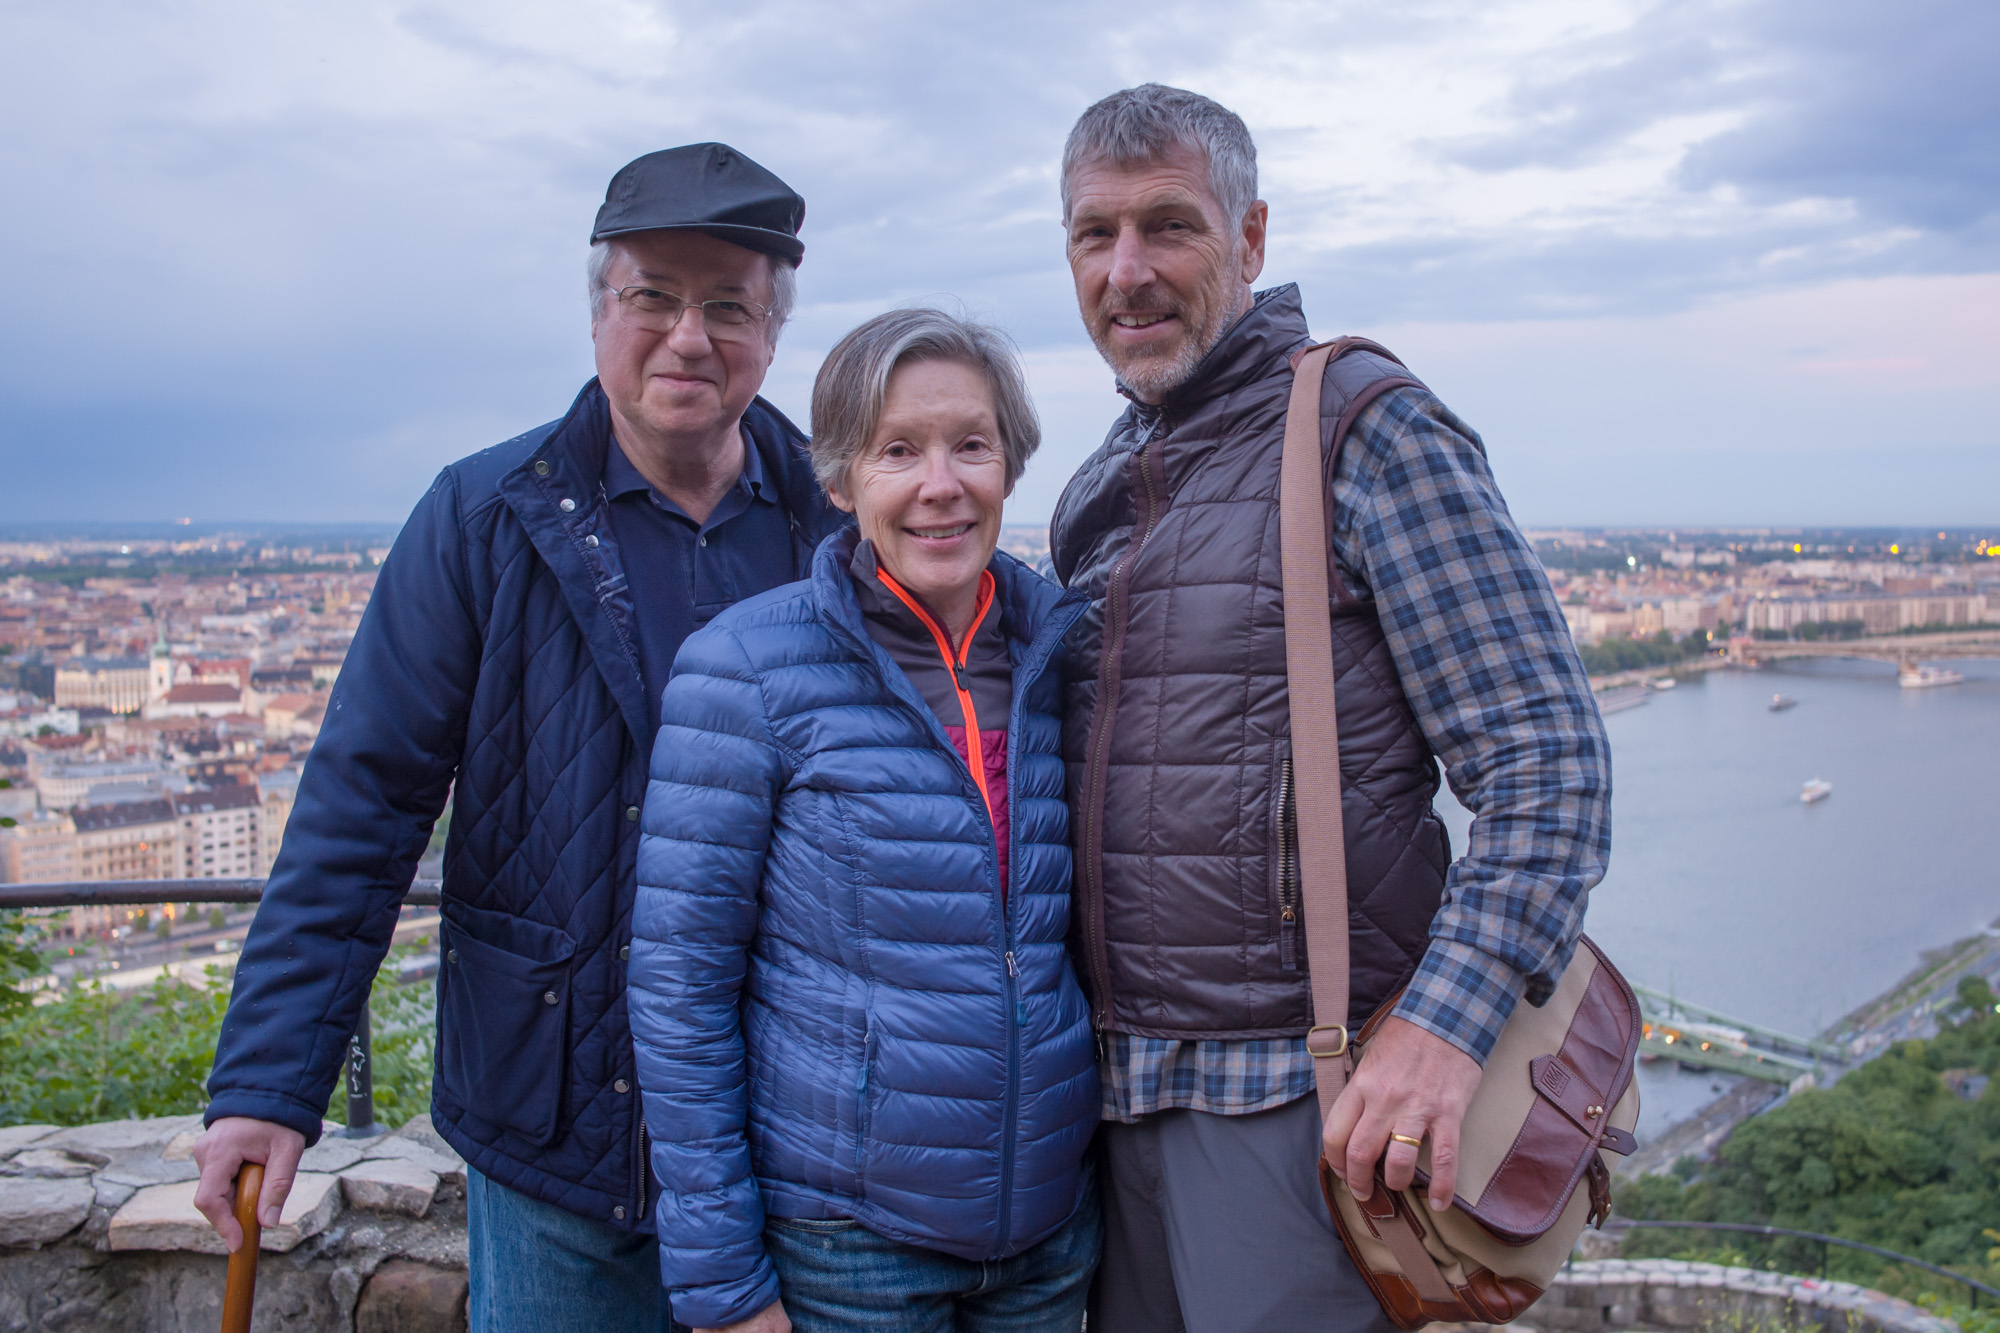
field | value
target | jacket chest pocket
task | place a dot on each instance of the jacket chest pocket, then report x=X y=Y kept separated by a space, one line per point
x=503 y=1019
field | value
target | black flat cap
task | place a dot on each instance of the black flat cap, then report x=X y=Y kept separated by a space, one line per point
x=705 y=187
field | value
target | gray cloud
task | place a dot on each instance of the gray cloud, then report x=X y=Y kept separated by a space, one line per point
x=1895 y=107
x=266 y=262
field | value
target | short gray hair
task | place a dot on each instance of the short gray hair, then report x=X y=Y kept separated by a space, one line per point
x=1143 y=124
x=784 y=286
x=854 y=379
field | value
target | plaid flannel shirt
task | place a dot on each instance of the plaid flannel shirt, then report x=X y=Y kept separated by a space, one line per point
x=1492 y=675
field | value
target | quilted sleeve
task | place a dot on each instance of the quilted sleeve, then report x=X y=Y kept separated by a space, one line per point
x=373 y=785
x=716 y=775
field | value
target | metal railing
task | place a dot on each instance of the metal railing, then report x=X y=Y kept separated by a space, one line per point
x=357 y=1073
x=1825 y=1241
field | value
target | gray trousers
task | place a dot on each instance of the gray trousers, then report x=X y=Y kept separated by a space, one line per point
x=1215 y=1224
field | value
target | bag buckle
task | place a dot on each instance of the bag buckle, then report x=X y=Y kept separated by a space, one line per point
x=1312 y=1037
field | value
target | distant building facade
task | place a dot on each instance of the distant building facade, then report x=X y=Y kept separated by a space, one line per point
x=217 y=699
x=116 y=684
x=135 y=840
x=1878 y=614
x=221 y=832
x=39 y=849
x=65 y=785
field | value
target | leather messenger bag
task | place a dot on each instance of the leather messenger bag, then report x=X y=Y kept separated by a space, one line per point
x=1557 y=1093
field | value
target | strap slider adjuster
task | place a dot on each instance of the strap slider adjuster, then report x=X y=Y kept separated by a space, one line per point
x=1314 y=1044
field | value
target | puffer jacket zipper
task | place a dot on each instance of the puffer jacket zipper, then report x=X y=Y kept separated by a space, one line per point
x=1111 y=645
x=975 y=761
x=645 y=1163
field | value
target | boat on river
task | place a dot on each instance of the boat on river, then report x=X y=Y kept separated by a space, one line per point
x=1780 y=702
x=1927 y=677
x=1665 y=683
x=1818 y=789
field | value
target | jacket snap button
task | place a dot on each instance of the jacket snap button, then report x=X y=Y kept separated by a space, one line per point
x=591 y=541
x=541 y=467
x=624 y=953
x=622 y=1086
x=453 y=955
x=567 y=505
x=631 y=814
x=548 y=997
x=619 y=1212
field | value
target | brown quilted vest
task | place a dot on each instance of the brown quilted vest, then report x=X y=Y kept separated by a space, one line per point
x=1177 y=735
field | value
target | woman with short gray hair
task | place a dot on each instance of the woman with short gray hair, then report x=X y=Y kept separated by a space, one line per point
x=867 y=1063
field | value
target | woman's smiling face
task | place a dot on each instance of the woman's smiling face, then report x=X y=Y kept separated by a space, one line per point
x=928 y=486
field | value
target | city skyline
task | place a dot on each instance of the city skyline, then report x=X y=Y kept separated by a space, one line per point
x=1702 y=263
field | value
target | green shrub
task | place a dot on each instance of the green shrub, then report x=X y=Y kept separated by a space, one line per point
x=1893 y=1155
x=100 y=1054
x=94 y=1053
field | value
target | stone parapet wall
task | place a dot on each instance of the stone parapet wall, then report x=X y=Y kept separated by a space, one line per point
x=98 y=1231
x=1669 y=1294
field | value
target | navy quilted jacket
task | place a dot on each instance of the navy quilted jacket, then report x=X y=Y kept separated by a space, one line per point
x=497 y=651
x=833 y=1013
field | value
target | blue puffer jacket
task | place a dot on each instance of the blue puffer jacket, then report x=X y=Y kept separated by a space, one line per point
x=498 y=651
x=818 y=883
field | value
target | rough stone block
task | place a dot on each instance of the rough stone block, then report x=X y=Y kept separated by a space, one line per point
x=420 y=1128
x=112 y=1197
x=446 y=1164
x=139 y=1169
x=36 y=1211
x=333 y=1155
x=13 y=1138
x=180 y=1148
x=163 y=1217
x=390 y=1185
x=50 y=1164
x=405 y=1297
x=119 y=1136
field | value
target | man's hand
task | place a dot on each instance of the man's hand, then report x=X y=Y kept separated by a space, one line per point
x=1410 y=1084
x=771 y=1319
x=225 y=1146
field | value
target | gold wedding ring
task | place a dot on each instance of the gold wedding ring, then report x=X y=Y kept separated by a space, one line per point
x=1405 y=1138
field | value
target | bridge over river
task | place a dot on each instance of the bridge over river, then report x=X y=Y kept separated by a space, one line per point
x=1778 y=1063
x=1677 y=1029
x=1907 y=649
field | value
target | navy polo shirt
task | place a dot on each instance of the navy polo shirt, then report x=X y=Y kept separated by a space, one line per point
x=682 y=574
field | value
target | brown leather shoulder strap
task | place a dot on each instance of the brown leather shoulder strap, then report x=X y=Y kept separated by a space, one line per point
x=1315 y=725
x=1306 y=560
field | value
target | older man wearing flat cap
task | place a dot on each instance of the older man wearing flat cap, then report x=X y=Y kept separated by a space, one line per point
x=511 y=660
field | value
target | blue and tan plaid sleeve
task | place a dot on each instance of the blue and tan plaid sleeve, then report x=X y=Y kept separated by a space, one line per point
x=1490 y=670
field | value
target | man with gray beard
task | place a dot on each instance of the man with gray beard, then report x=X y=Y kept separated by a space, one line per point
x=1448 y=645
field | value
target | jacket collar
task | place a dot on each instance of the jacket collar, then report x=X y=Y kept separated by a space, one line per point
x=1268 y=332
x=1029 y=602
x=568 y=467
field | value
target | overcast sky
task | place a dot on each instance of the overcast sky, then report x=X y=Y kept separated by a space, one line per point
x=1708 y=261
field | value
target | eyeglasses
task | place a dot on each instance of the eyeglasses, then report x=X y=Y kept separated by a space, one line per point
x=725 y=317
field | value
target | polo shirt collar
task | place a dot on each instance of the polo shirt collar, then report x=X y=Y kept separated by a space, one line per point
x=622 y=478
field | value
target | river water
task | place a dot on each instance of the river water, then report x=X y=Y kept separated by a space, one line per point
x=1727 y=890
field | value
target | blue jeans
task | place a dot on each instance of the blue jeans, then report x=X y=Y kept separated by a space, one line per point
x=537 y=1268
x=840 y=1277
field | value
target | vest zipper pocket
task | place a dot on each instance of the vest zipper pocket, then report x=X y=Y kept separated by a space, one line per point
x=1285 y=840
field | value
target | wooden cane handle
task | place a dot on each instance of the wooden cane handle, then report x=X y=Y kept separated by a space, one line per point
x=240 y=1290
